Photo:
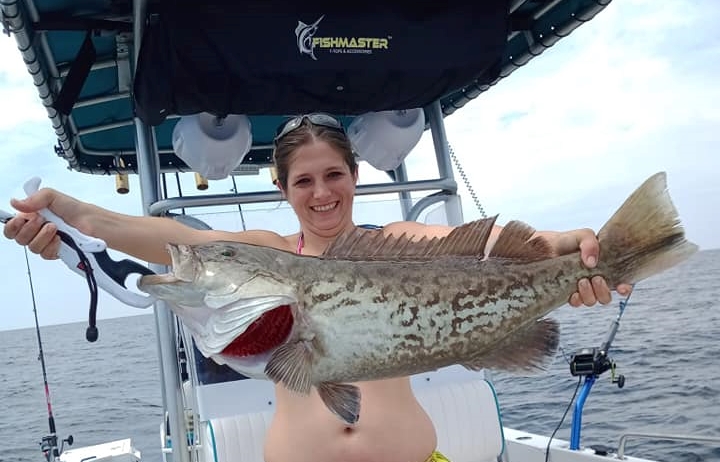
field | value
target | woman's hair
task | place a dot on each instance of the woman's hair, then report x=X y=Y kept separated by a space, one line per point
x=305 y=133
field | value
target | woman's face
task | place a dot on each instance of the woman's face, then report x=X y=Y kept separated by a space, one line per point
x=321 y=188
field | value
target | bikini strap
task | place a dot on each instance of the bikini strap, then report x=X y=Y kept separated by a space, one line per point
x=300 y=244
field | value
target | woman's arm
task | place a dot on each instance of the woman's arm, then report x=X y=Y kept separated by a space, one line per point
x=140 y=236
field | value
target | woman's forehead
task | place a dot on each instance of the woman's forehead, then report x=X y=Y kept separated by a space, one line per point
x=315 y=156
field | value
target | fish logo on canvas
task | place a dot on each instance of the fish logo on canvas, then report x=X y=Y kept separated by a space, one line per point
x=305 y=34
x=307 y=42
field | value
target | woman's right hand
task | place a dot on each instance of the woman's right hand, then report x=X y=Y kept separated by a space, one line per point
x=30 y=229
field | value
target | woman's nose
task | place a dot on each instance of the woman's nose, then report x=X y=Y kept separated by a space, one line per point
x=321 y=190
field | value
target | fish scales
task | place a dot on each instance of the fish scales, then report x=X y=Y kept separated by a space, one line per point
x=422 y=313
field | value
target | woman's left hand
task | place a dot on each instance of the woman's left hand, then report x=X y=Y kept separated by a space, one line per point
x=590 y=291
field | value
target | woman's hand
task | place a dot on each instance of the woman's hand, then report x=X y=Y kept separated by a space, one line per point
x=30 y=229
x=590 y=291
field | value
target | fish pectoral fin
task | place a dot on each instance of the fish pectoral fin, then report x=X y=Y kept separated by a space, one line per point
x=528 y=349
x=291 y=365
x=342 y=399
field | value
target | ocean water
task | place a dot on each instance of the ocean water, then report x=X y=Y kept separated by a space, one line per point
x=668 y=348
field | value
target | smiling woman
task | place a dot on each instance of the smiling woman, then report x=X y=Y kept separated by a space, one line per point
x=317 y=173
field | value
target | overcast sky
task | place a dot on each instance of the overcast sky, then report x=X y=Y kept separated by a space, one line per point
x=559 y=144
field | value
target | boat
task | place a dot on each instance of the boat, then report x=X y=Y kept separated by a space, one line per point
x=118 y=77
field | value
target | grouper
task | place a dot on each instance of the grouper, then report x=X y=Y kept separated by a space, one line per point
x=374 y=306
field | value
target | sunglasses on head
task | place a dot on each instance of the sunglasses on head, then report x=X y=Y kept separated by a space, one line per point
x=316 y=118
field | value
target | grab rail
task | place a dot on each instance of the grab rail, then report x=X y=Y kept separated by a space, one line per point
x=662 y=436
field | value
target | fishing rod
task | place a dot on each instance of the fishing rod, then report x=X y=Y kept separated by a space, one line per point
x=49 y=443
x=590 y=363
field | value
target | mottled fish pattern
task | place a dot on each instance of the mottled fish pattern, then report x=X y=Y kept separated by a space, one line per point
x=375 y=306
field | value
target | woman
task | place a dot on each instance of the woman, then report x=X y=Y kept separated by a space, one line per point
x=317 y=174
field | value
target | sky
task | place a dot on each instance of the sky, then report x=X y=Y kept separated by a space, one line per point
x=559 y=144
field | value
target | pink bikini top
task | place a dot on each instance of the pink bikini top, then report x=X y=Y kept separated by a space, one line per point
x=301 y=244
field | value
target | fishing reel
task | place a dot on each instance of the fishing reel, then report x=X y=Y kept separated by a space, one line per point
x=49 y=448
x=594 y=362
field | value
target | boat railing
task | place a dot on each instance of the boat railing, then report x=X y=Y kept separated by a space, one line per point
x=209 y=200
x=661 y=436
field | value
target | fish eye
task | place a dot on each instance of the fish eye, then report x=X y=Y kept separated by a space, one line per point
x=228 y=252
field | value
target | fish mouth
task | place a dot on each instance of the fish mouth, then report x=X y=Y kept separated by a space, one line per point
x=184 y=267
x=158 y=279
x=170 y=288
x=186 y=263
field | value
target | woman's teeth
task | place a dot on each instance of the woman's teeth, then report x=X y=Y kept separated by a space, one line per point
x=324 y=208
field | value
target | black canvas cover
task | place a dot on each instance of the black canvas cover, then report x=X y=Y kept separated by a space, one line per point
x=273 y=57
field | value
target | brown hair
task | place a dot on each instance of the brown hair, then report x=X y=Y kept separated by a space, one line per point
x=304 y=134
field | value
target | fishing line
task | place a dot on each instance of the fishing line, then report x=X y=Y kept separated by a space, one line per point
x=49 y=443
x=567 y=409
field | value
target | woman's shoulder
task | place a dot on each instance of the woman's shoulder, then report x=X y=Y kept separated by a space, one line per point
x=263 y=237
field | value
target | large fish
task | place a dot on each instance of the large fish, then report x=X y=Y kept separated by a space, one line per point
x=374 y=307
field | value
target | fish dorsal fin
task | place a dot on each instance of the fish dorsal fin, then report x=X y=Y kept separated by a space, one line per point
x=469 y=239
x=465 y=240
x=516 y=242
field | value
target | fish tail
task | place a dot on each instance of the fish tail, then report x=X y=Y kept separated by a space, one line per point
x=644 y=237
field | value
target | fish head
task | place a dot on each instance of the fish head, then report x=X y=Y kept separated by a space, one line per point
x=217 y=274
x=219 y=290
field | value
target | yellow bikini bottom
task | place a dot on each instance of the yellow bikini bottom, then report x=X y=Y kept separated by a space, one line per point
x=437 y=457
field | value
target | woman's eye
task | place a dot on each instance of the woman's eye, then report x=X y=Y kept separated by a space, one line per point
x=302 y=181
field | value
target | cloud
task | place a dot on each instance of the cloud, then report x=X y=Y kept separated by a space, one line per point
x=18 y=96
x=628 y=94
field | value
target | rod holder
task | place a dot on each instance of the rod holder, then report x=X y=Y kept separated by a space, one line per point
x=201 y=183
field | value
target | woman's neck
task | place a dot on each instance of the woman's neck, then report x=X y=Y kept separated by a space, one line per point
x=310 y=243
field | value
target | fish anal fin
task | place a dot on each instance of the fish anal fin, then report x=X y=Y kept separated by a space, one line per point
x=516 y=242
x=291 y=365
x=342 y=399
x=468 y=239
x=527 y=350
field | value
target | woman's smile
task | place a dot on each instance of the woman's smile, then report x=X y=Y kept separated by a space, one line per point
x=325 y=207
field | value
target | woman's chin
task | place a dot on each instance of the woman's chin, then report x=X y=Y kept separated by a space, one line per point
x=328 y=226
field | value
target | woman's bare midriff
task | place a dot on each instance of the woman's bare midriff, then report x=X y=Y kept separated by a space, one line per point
x=393 y=427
